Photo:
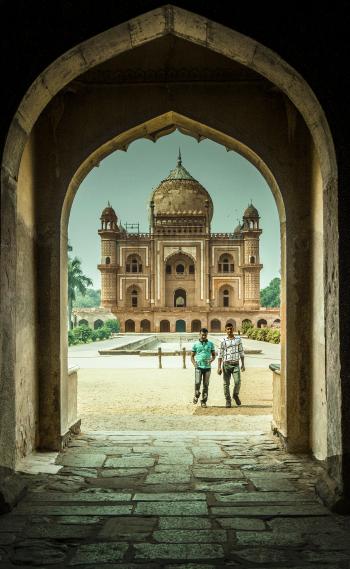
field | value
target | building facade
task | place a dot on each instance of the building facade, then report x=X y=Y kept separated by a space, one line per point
x=180 y=276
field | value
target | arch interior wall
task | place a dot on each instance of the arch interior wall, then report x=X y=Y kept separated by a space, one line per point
x=290 y=156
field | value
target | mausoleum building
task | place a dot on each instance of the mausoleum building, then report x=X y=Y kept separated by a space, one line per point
x=180 y=276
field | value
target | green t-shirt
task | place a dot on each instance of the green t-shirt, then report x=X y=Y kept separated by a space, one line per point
x=203 y=351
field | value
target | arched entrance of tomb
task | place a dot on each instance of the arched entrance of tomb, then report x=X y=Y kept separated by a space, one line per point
x=261 y=323
x=179 y=272
x=98 y=324
x=180 y=326
x=301 y=174
x=215 y=325
x=129 y=326
x=164 y=326
x=196 y=325
x=145 y=326
x=83 y=322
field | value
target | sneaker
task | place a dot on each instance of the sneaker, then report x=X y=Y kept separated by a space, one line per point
x=228 y=404
x=195 y=400
x=237 y=399
x=203 y=404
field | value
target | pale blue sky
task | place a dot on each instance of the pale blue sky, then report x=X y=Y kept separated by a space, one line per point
x=126 y=179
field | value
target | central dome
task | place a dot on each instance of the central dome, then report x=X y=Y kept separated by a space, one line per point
x=181 y=194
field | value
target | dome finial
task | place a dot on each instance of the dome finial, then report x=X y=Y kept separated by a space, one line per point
x=179 y=160
x=109 y=205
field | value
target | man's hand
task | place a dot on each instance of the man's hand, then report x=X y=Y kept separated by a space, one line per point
x=219 y=371
x=242 y=367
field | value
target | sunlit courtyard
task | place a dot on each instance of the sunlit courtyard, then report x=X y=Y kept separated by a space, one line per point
x=130 y=392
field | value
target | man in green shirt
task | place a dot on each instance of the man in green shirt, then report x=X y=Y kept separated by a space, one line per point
x=203 y=353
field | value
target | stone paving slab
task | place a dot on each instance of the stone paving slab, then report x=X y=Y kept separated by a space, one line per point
x=270 y=511
x=217 y=474
x=169 y=496
x=82 y=459
x=266 y=497
x=171 y=478
x=129 y=462
x=123 y=472
x=249 y=524
x=84 y=510
x=171 y=508
x=99 y=552
x=73 y=520
x=184 y=523
x=132 y=529
x=190 y=536
x=57 y=531
x=269 y=538
x=77 y=497
x=178 y=551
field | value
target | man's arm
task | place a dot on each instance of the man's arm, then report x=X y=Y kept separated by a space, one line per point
x=221 y=351
x=241 y=353
x=192 y=358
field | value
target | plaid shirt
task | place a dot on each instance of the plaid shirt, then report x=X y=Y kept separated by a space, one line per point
x=231 y=349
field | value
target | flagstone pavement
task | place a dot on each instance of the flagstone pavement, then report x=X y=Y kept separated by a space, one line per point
x=184 y=500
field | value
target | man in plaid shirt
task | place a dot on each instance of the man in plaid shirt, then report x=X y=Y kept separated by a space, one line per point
x=231 y=349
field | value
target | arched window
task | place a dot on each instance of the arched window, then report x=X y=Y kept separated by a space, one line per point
x=133 y=264
x=129 y=326
x=108 y=260
x=195 y=325
x=226 y=298
x=252 y=260
x=226 y=264
x=180 y=269
x=191 y=269
x=134 y=295
x=180 y=298
x=168 y=269
x=164 y=326
x=145 y=326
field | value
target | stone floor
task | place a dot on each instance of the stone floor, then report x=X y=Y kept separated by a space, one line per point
x=184 y=500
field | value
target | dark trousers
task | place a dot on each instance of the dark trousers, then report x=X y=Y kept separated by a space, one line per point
x=231 y=369
x=201 y=374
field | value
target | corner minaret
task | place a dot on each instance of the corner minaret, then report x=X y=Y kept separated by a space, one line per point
x=109 y=233
x=251 y=266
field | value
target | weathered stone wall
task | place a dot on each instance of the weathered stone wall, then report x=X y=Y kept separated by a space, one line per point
x=27 y=392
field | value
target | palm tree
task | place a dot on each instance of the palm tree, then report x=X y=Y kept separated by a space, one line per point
x=76 y=281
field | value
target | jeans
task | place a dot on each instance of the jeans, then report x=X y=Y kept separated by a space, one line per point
x=234 y=370
x=201 y=374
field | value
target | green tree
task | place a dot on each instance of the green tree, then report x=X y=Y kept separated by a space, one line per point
x=91 y=299
x=77 y=281
x=270 y=296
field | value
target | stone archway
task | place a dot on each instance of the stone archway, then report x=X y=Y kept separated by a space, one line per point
x=145 y=325
x=195 y=325
x=60 y=171
x=164 y=326
x=180 y=326
x=130 y=326
x=215 y=325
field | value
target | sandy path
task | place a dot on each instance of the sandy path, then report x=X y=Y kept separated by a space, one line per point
x=110 y=399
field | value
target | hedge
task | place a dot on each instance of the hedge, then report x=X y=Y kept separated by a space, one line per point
x=271 y=335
